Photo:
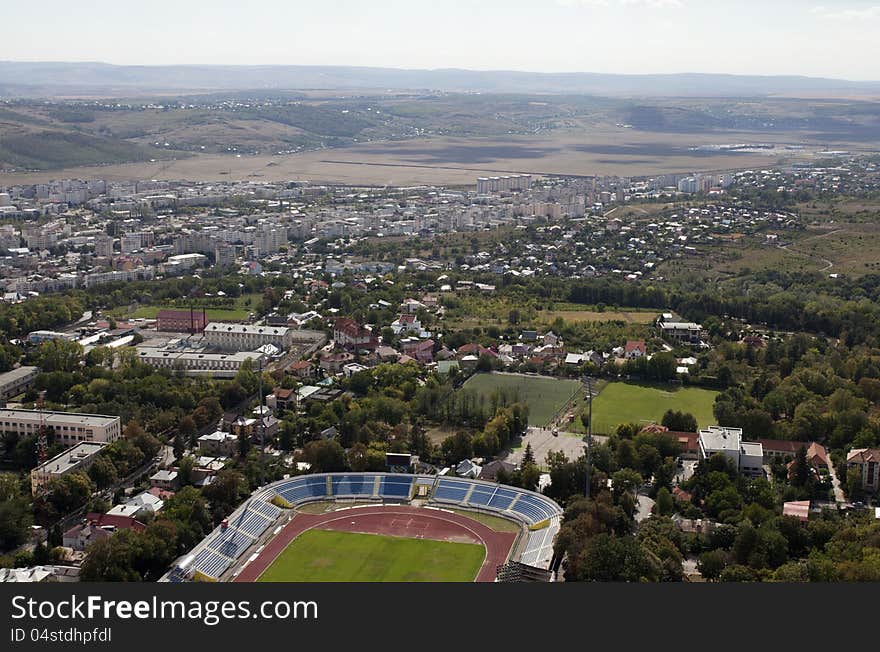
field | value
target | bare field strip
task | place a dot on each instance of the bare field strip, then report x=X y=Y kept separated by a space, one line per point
x=447 y=160
x=548 y=316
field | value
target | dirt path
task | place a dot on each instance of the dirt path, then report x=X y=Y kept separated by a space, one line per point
x=828 y=263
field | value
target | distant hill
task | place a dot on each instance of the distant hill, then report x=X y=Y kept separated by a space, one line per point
x=60 y=78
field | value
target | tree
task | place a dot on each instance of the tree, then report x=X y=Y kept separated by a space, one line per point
x=325 y=456
x=529 y=475
x=188 y=508
x=145 y=442
x=188 y=430
x=69 y=492
x=801 y=471
x=361 y=382
x=225 y=493
x=711 y=563
x=679 y=421
x=854 y=483
x=185 y=466
x=737 y=573
x=244 y=444
x=528 y=455
x=664 y=504
x=625 y=481
x=103 y=472
x=457 y=447
x=15 y=513
x=607 y=558
x=179 y=445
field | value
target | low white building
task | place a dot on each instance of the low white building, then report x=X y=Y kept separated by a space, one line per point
x=748 y=457
x=14 y=382
x=218 y=444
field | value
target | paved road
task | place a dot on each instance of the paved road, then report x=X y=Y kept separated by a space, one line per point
x=644 y=508
x=839 y=498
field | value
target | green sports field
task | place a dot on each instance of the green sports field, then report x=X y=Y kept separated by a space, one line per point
x=329 y=556
x=544 y=396
x=630 y=402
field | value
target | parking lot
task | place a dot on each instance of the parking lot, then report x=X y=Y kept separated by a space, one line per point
x=543 y=441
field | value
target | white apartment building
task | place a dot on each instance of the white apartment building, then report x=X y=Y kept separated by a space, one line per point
x=79 y=457
x=16 y=381
x=197 y=363
x=247 y=337
x=681 y=332
x=70 y=428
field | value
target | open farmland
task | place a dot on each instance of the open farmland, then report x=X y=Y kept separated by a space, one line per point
x=544 y=396
x=629 y=316
x=441 y=160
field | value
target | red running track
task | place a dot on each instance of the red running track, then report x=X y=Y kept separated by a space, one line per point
x=403 y=521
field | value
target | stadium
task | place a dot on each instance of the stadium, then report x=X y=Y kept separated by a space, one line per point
x=380 y=527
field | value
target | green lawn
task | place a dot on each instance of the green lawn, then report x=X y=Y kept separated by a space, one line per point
x=242 y=306
x=497 y=523
x=544 y=396
x=329 y=556
x=630 y=402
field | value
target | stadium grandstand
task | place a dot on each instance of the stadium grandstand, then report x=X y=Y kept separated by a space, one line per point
x=241 y=536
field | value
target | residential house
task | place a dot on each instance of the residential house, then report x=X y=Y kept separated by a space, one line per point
x=867 y=461
x=334 y=362
x=406 y=323
x=301 y=369
x=421 y=351
x=349 y=334
x=490 y=470
x=218 y=444
x=635 y=349
x=468 y=469
x=387 y=354
x=352 y=368
x=281 y=399
x=164 y=479
x=800 y=509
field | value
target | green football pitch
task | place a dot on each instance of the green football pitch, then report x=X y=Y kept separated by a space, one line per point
x=330 y=556
x=544 y=396
x=630 y=402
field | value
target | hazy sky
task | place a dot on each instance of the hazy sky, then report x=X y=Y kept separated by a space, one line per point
x=840 y=38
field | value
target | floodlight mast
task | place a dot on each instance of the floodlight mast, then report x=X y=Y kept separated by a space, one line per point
x=589 y=438
x=262 y=430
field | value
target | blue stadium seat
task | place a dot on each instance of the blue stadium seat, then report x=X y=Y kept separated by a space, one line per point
x=353 y=485
x=393 y=486
x=451 y=490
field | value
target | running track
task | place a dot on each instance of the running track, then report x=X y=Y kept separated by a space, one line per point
x=418 y=523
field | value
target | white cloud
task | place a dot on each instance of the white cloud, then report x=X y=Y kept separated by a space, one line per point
x=651 y=4
x=865 y=13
